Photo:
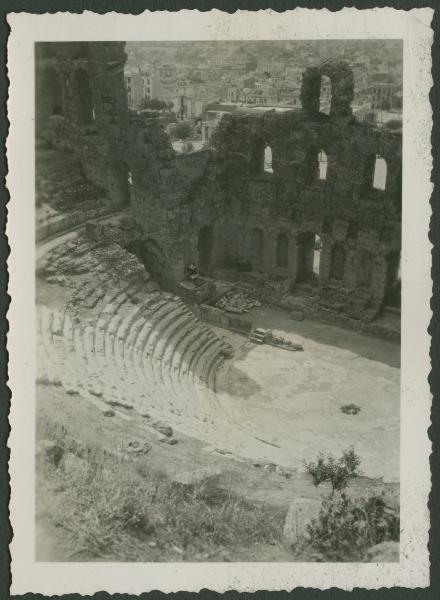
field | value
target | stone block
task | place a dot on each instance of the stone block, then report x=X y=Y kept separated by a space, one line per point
x=301 y=512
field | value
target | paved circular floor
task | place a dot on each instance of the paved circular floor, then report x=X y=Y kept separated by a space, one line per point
x=292 y=401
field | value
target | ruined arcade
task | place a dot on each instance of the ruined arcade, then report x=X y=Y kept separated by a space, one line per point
x=205 y=306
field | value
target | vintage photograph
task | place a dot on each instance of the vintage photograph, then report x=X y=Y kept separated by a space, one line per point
x=218 y=300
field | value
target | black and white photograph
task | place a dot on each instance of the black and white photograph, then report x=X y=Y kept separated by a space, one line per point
x=219 y=279
x=218 y=231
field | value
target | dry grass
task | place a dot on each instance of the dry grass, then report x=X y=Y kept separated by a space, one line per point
x=110 y=509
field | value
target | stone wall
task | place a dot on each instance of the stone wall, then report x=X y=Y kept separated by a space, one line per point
x=219 y=207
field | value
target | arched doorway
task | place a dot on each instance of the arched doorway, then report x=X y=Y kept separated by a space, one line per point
x=283 y=250
x=83 y=96
x=257 y=244
x=392 y=295
x=317 y=255
x=337 y=263
x=153 y=258
x=205 y=249
x=305 y=255
x=121 y=182
x=364 y=271
x=49 y=93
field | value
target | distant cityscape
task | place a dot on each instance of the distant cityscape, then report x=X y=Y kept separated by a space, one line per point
x=193 y=84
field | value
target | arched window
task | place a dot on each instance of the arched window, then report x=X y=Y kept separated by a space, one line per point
x=268 y=160
x=325 y=95
x=380 y=173
x=84 y=96
x=322 y=165
x=282 y=250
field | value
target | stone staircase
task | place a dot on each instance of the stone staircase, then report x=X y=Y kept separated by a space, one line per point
x=133 y=347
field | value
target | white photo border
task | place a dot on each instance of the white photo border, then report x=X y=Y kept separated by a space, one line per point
x=413 y=27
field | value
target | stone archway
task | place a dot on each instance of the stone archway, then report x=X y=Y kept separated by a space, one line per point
x=392 y=296
x=256 y=246
x=305 y=251
x=121 y=182
x=282 y=250
x=205 y=249
x=154 y=260
x=365 y=268
x=337 y=262
x=83 y=96
x=49 y=98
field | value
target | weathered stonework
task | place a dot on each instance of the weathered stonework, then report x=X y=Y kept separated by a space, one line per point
x=218 y=207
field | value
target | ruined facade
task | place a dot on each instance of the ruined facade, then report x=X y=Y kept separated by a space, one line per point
x=318 y=223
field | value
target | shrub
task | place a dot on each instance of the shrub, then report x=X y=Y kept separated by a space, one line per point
x=181 y=131
x=346 y=528
x=338 y=472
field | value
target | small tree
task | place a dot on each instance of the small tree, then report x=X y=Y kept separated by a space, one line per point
x=181 y=131
x=154 y=104
x=338 y=472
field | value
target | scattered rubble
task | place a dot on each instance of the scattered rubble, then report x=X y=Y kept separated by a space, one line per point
x=237 y=301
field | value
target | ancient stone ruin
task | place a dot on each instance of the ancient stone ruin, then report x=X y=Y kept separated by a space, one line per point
x=303 y=207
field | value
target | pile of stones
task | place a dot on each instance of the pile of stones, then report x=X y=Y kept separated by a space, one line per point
x=237 y=302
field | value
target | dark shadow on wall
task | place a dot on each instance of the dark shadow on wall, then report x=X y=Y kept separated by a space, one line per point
x=205 y=249
x=153 y=258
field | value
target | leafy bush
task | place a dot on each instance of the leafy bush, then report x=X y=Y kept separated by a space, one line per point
x=181 y=131
x=338 y=472
x=154 y=104
x=346 y=528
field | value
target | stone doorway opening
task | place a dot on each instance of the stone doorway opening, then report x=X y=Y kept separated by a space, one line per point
x=153 y=258
x=305 y=256
x=337 y=262
x=365 y=268
x=393 y=284
x=122 y=183
x=317 y=255
x=49 y=94
x=205 y=249
x=84 y=97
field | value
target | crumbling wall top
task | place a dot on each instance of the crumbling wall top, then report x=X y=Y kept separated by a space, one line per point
x=342 y=88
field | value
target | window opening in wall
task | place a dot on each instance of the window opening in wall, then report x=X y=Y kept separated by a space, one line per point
x=380 y=173
x=205 y=249
x=322 y=165
x=317 y=254
x=268 y=160
x=257 y=242
x=282 y=250
x=325 y=95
